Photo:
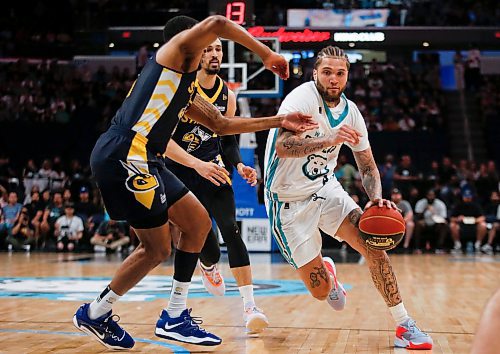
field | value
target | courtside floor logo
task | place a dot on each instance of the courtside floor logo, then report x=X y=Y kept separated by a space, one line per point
x=149 y=289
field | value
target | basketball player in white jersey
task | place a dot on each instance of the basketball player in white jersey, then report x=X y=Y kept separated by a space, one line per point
x=302 y=194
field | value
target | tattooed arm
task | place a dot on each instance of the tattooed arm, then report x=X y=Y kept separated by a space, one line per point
x=370 y=176
x=288 y=144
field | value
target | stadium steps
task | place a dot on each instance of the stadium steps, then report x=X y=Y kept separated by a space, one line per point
x=457 y=124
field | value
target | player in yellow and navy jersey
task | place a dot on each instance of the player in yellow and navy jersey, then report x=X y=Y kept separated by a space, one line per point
x=135 y=185
x=195 y=154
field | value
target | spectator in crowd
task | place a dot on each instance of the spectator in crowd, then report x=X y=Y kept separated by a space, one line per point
x=35 y=210
x=406 y=123
x=52 y=212
x=11 y=213
x=67 y=197
x=472 y=69
x=407 y=212
x=345 y=172
x=492 y=214
x=387 y=171
x=447 y=171
x=22 y=235
x=431 y=225
x=467 y=214
x=111 y=234
x=405 y=175
x=68 y=229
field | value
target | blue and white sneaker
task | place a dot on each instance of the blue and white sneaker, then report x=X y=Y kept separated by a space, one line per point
x=409 y=336
x=104 y=329
x=184 y=329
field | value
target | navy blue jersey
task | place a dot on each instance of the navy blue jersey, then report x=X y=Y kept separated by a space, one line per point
x=155 y=103
x=197 y=139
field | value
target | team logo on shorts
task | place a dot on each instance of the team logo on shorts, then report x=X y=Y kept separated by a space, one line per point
x=139 y=181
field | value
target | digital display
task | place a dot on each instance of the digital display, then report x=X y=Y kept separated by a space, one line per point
x=240 y=12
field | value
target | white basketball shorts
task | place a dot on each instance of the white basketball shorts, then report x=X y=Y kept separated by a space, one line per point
x=295 y=225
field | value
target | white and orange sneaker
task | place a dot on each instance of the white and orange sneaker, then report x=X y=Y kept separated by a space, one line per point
x=212 y=280
x=255 y=320
x=337 y=297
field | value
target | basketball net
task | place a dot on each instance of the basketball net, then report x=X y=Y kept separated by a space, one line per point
x=234 y=86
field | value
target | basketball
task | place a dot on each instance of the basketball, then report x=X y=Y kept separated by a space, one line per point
x=382 y=228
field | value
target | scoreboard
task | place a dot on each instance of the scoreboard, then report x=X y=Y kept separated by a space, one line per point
x=240 y=12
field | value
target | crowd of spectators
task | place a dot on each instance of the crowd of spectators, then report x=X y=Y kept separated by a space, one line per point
x=55 y=208
x=443 y=205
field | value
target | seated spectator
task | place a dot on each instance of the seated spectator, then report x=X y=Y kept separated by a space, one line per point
x=52 y=212
x=111 y=234
x=430 y=216
x=492 y=213
x=35 y=210
x=407 y=211
x=405 y=175
x=467 y=213
x=68 y=229
x=406 y=123
x=11 y=213
x=22 y=235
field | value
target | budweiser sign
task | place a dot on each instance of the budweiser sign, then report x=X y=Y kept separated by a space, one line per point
x=290 y=36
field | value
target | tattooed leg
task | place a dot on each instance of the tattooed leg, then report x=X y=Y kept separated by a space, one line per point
x=378 y=262
x=316 y=278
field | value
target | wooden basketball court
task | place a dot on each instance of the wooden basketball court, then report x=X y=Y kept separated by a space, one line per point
x=445 y=294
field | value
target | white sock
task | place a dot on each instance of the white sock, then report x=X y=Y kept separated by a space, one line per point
x=178 y=298
x=246 y=292
x=477 y=245
x=399 y=313
x=103 y=303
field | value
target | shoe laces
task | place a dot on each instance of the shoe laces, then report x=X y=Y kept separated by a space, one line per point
x=253 y=309
x=194 y=321
x=412 y=327
x=111 y=326
x=213 y=274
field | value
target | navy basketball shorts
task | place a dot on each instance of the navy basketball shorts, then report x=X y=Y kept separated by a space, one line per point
x=134 y=183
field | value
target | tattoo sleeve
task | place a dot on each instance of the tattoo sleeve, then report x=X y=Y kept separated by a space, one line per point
x=383 y=276
x=317 y=275
x=290 y=145
x=370 y=176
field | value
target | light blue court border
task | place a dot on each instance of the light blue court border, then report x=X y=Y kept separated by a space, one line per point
x=175 y=348
x=149 y=289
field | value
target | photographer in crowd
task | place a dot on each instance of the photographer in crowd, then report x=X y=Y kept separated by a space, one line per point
x=68 y=229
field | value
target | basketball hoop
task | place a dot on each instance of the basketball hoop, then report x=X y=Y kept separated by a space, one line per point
x=234 y=86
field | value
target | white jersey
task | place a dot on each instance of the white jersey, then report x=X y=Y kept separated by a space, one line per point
x=291 y=179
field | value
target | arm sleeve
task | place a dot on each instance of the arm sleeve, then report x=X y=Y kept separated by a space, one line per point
x=79 y=225
x=360 y=125
x=419 y=208
x=231 y=149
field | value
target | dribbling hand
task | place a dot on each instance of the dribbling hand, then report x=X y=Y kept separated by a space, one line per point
x=381 y=203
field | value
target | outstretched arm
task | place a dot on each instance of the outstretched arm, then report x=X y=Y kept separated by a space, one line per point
x=183 y=52
x=288 y=144
x=206 y=114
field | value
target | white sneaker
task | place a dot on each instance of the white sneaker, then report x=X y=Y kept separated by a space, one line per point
x=486 y=248
x=255 y=320
x=457 y=248
x=212 y=280
x=337 y=297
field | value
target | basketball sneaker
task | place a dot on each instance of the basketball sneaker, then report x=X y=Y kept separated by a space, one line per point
x=409 y=336
x=255 y=320
x=184 y=328
x=104 y=329
x=212 y=280
x=337 y=296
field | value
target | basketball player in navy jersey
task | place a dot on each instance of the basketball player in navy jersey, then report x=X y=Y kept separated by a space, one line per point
x=135 y=184
x=194 y=154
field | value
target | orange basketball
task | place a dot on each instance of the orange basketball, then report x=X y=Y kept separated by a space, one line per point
x=382 y=228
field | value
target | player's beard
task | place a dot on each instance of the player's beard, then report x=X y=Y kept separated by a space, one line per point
x=210 y=71
x=326 y=96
